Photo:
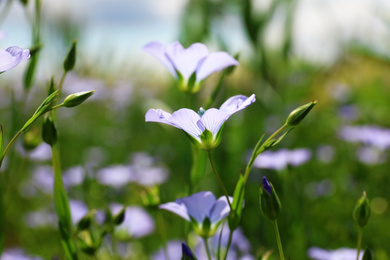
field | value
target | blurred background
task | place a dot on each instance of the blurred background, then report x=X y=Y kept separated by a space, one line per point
x=290 y=52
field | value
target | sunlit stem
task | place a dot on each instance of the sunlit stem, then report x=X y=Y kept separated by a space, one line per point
x=206 y=245
x=219 y=181
x=9 y=146
x=229 y=243
x=359 y=243
x=275 y=224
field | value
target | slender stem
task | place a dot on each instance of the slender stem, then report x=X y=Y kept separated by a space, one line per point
x=359 y=243
x=62 y=80
x=275 y=223
x=206 y=245
x=219 y=181
x=229 y=243
x=9 y=146
x=162 y=233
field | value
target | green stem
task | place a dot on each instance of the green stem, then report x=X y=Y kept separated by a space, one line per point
x=206 y=245
x=229 y=243
x=9 y=146
x=275 y=224
x=163 y=233
x=359 y=243
x=220 y=181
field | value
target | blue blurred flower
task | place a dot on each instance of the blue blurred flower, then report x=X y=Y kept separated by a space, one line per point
x=282 y=158
x=173 y=251
x=194 y=62
x=338 y=254
x=12 y=56
x=137 y=223
x=199 y=207
x=115 y=176
x=367 y=134
x=17 y=254
x=196 y=124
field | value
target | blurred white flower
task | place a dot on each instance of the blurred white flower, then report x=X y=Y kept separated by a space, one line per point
x=116 y=176
x=282 y=158
x=338 y=254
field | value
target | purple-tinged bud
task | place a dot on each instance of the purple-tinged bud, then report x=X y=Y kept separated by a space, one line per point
x=187 y=253
x=269 y=200
x=266 y=185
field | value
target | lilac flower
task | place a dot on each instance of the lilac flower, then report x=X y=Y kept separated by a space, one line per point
x=282 y=158
x=199 y=208
x=367 y=134
x=137 y=223
x=192 y=65
x=205 y=128
x=173 y=251
x=12 y=56
x=338 y=254
x=17 y=253
x=116 y=176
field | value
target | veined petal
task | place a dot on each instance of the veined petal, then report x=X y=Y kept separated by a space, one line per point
x=157 y=50
x=216 y=61
x=237 y=103
x=186 y=60
x=12 y=56
x=199 y=204
x=213 y=119
x=177 y=208
x=157 y=115
x=186 y=119
x=220 y=210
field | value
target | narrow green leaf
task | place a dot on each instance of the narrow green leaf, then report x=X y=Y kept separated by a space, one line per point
x=238 y=200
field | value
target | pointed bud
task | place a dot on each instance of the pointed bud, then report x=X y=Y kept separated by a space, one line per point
x=86 y=221
x=362 y=211
x=300 y=113
x=120 y=217
x=187 y=254
x=87 y=243
x=49 y=131
x=367 y=254
x=269 y=200
x=70 y=59
x=77 y=98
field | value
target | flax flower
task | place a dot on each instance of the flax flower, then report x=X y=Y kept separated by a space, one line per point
x=12 y=56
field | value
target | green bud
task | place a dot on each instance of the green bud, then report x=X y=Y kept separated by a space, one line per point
x=70 y=59
x=77 y=98
x=86 y=221
x=150 y=196
x=87 y=242
x=49 y=131
x=269 y=201
x=362 y=211
x=300 y=113
x=31 y=139
x=367 y=254
x=118 y=218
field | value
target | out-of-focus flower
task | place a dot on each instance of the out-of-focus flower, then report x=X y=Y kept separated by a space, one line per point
x=78 y=210
x=192 y=65
x=338 y=254
x=282 y=158
x=116 y=176
x=370 y=155
x=145 y=172
x=17 y=253
x=73 y=176
x=173 y=251
x=12 y=56
x=202 y=209
x=319 y=189
x=41 y=218
x=325 y=153
x=137 y=222
x=367 y=134
x=204 y=128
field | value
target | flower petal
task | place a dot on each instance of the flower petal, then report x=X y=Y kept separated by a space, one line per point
x=212 y=120
x=187 y=60
x=157 y=50
x=12 y=56
x=237 y=103
x=179 y=209
x=199 y=204
x=220 y=210
x=216 y=61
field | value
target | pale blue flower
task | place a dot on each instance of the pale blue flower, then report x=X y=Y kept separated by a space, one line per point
x=338 y=254
x=196 y=124
x=282 y=158
x=17 y=254
x=199 y=207
x=192 y=65
x=12 y=56
x=367 y=134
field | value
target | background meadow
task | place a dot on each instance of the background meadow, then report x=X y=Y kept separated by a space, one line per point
x=290 y=53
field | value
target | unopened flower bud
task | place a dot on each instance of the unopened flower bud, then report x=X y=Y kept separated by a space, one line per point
x=120 y=217
x=70 y=59
x=367 y=254
x=49 y=131
x=362 y=211
x=77 y=98
x=298 y=114
x=187 y=254
x=269 y=200
x=86 y=221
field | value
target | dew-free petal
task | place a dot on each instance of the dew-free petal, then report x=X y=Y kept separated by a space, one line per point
x=157 y=50
x=214 y=62
x=186 y=60
x=12 y=56
x=178 y=209
x=212 y=120
x=237 y=103
x=199 y=204
x=220 y=209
